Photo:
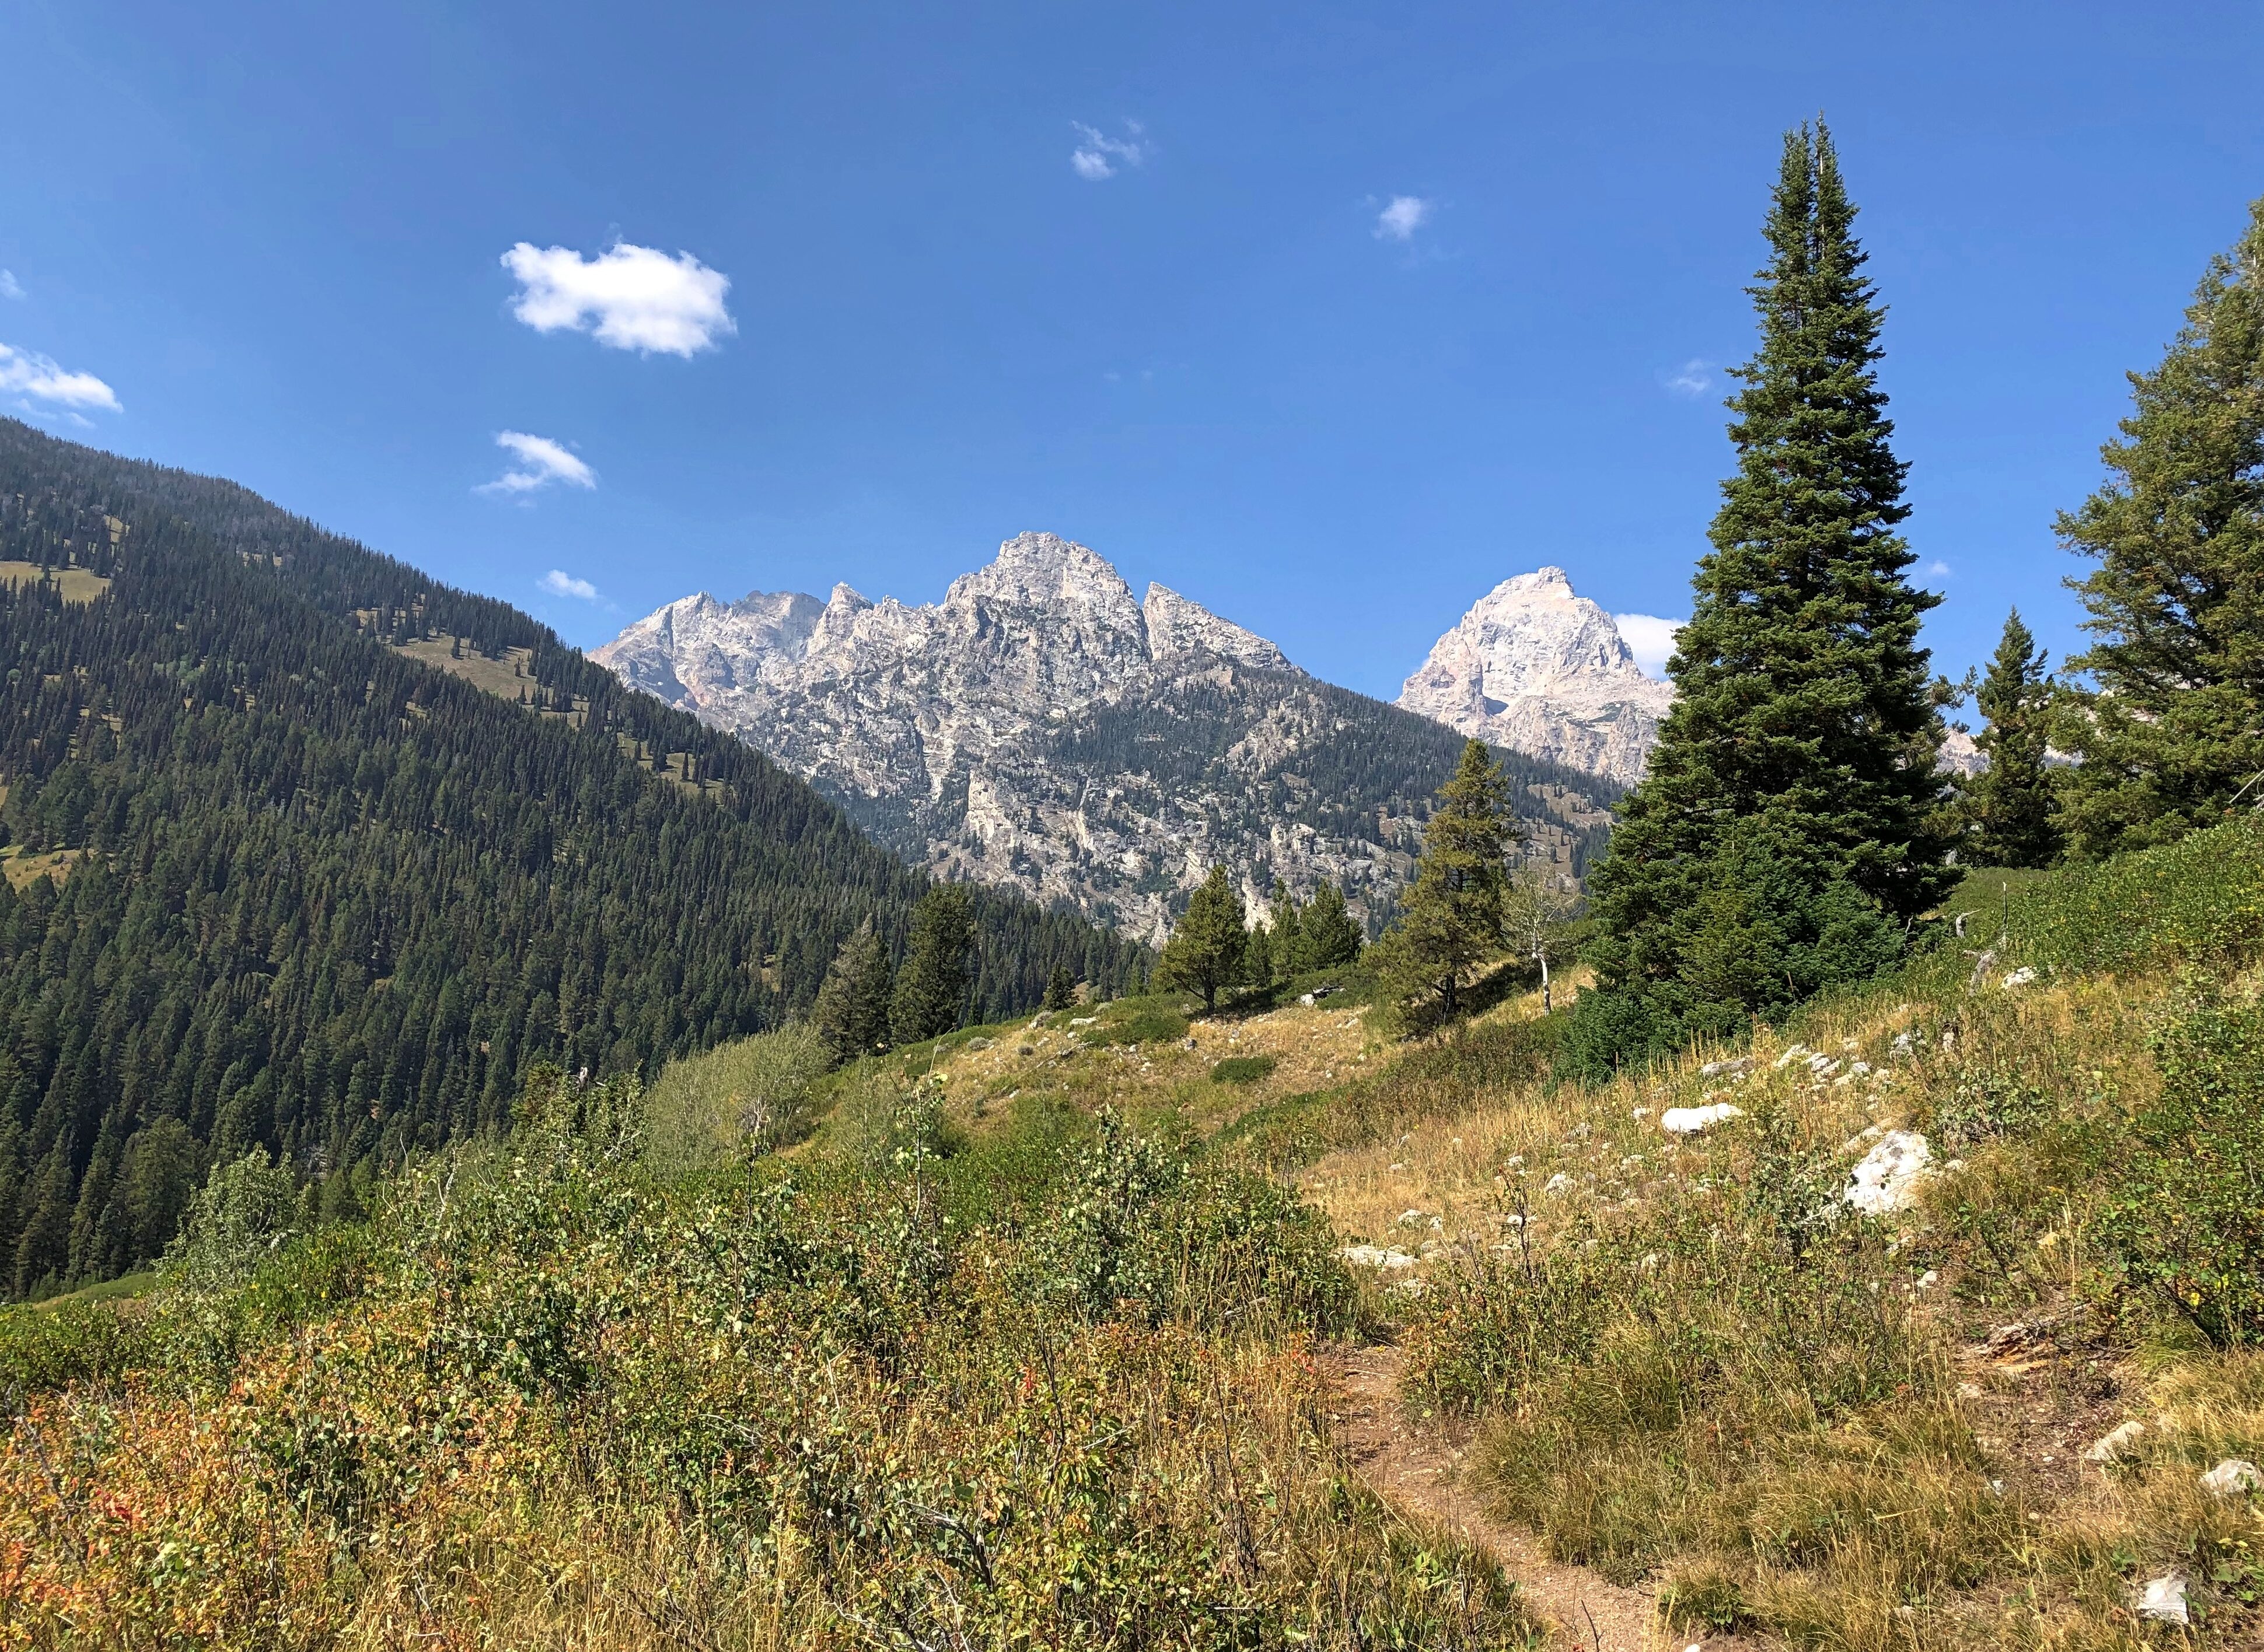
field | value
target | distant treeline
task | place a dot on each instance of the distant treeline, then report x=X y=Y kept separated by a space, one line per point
x=325 y=898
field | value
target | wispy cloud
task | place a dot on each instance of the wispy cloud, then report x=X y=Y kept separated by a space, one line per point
x=559 y=583
x=1401 y=217
x=1939 y=569
x=9 y=287
x=1098 y=155
x=1693 y=378
x=628 y=297
x=32 y=377
x=1649 y=638
x=538 y=462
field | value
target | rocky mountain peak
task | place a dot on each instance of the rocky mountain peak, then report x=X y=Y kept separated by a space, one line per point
x=1176 y=626
x=1042 y=570
x=1537 y=667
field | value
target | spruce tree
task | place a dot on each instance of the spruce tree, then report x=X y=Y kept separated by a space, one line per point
x=932 y=987
x=1061 y=990
x=2174 y=731
x=1450 y=920
x=1204 y=951
x=851 y=1012
x=1289 y=935
x=1804 y=709
x=1257 y=956
x=2009 y=806
x=1331 y=935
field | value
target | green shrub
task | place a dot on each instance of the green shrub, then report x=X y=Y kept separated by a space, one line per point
x=711 y=1110
x=2187 y=1220
x=47 y=1345
x=1147 y=1024
x=1243 y=1070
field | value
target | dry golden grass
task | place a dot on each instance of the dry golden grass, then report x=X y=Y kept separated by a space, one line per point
x=504 y=676
x=73 y=584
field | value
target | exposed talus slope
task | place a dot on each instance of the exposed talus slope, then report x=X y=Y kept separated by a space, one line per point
x=1535 y=667
x=1041 y=726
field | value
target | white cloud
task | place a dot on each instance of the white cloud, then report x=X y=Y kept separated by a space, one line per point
x=630 y=297
x=1402 y=217
x=32 y=377
x=9 y=287
x=559 y=583
x=1693 y=378
x=1649 y=638
x=1938 y=568
x=540 y=462
x=1099 y=155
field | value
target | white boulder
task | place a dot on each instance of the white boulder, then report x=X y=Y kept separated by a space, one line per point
x=1695 y=1120
x=2163 y=1599
x=2234 y=1477
x=1886 y=1179
x=2118 y=1443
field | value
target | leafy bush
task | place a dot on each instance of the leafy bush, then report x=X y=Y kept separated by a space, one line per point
x=1243 y=1070
x=2186 y=1219
x=710 y=1111
x=1150 y=1023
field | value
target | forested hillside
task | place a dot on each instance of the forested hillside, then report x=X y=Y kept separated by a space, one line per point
x=274 y=881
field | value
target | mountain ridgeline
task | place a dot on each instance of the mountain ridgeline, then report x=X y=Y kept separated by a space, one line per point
x=1044 y=728
x=308 y=851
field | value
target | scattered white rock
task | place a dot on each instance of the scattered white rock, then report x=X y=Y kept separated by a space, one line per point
x=1886 y=1179
x=1735 y=1064
x=1795 y=1053
x=979 y=1044
x=1389 y=1257
x=1640 y=1113
x=1414 y=1218
x=1556 y=1184
x=2116 y=1443
x=1305 y=998
x=1693 y=1121
x=2163 y=1599
x=1082 y=1020
x=2022 y=977
x=2234 y=1477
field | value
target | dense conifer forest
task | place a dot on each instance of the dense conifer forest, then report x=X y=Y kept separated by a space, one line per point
x=274 y=882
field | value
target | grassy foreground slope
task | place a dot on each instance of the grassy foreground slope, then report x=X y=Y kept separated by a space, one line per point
x=1692 y=1360
x=1018 y=1338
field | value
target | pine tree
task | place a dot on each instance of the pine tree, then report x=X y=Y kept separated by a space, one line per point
x=1257 y=956
x=932 y=987
x=1804 y=703
x=2009 y=806
x=1204 y=954
x=1450 y=921
x=1060 y=990
x=1330 y=934
x=2175 y=730
x=1288 y=934
x=851 y=1012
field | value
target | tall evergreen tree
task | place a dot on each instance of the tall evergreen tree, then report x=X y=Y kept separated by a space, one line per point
x=2175 y=730
x=1288 y=919
x=1329 y=935
x=1205 y=952
x=1450 y=921
x=2009 y=806
x=1061 y=990
x=1257 y=956
x=851 y=1012
x=931 y=990
x=1805 y=709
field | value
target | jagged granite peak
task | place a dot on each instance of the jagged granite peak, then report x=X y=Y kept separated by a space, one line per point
x=1538 y=668
x=1176 y=626
x=1040 y=727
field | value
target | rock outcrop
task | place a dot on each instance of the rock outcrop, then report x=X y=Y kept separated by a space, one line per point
x=1536 y=667
x=1041 y=727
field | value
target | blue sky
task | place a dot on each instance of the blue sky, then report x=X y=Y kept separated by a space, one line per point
x=1346 y=313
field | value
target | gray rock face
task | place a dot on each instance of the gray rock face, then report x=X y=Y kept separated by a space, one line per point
x=1041 y=726
x=1538 y=668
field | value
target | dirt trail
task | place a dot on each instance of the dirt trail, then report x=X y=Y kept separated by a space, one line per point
x=1420 y=1474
